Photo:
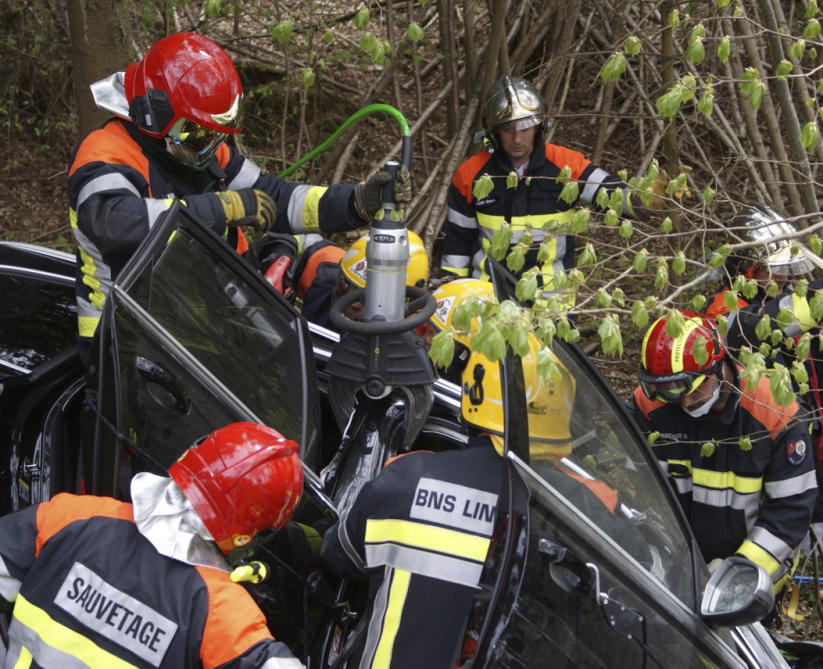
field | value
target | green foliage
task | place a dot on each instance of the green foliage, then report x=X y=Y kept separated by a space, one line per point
x=414 y=32
x=482 y=187
x=442 y=349
x=361 y=19
x=614 y=68
x=283 y=32
x=632 y=45
x=753 y=87
x=707 y=449
x=611 y=339
x=810 y=136
x=724 y=49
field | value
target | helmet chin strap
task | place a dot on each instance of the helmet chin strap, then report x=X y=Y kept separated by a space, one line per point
x=704 y=408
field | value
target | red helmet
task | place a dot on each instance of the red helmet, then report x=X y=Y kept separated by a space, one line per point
x=186 y=87
x=241 y=479
x=670 y=364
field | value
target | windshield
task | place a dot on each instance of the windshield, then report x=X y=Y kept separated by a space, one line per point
x=607 y=475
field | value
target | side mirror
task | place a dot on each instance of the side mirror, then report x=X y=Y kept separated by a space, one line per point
x=738 y=593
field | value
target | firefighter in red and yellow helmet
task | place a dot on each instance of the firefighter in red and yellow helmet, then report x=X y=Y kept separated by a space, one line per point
x=102 y=583
x=173 y=112
x=741 y=464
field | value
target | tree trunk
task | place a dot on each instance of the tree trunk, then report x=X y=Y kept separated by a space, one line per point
x=100 y=45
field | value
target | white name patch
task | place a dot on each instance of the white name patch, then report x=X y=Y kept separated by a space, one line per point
x=454 y=505
x=118 y=616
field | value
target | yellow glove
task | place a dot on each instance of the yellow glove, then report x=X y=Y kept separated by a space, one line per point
x=248 y=207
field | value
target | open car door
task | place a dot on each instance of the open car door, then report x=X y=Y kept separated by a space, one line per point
x=601 y=570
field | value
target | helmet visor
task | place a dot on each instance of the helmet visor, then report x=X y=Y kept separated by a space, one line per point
x=192 y=143
x=518 y=124
x=671 y=388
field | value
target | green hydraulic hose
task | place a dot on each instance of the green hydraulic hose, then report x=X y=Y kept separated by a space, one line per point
x=360 y=113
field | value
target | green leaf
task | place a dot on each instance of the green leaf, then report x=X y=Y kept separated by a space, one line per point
x=816 y=306
x=632 y=45
x=798 y=49
x=708 y=195
x=467 y=310
x=512 y=179
x=811 y=9
x=815 y=244
x=696 y=52
x=516 y=258
x=679 y=263
x=588 y=256
x=810 y=136
x=673 y=18
x=328 y=37
x=602 y=298
x=640 y=260
x=668 y=104
x=799 y=372
x=707 y=449
x=519 y=340
x=661 y=274
x=579 y=222
x=610 y=217
x=724 y=49
x=441 y=350
x=763 y=329
x=614 y=68
x=744 y=444
x=783 y=68
x=730 y=300
x=666 y=225
x=651 y=440
x=565 y=174
x=722 y=3
x=698 y=302
x=282 y=32
x=501 y=239
x=602 y=198
x=213 y=8
x=781 y=385
x=611 y=339
x=803 y=346
x=753 y=87
x=307 y=77
x=812 y=29
x=361 y=18
x=626 y=228
x=675 y=322
x=700 y=350
x=640 y=315
x=570 y=192
x=414 y=32
x=482 y=187
x=705 y=105
x=526 y=288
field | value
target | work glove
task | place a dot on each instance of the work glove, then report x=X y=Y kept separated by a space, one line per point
x=661 y=185
x=368 y=196
x=248 y=207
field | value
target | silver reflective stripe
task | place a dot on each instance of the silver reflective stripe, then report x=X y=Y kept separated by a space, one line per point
x=295 y=211
x=154 y=208
x=456 y=261
x=726 y=498
x=792 y=486
x=376 y=622
x=594 y=182
x=283 y=663
x=103 y=183
x=86 y=308
x=9 y=586
x=460 y=220
x=433 y=565
x=774 y=545
x=345 y=542
x=683 y=485
x=247 y=176
x=21 y=637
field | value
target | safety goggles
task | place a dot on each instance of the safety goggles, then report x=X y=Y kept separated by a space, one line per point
x=194 y=143
x=672 y=387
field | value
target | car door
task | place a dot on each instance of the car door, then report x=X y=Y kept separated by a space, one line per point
x=193 y=338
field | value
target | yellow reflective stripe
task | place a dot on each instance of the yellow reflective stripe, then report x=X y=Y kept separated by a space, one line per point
x=311 y=208
x=802 y=312
x=87 y=325
x=428 y=537
x=679 y=344
x=759 y=556
x=24 y=659
x=707 y=478
x=63 y=638
x=458 y=271
x=492 y=222
x=391 y=621
x=72 y=218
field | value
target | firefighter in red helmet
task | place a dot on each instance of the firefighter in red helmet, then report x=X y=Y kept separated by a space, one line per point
x=741 y=464
x=173 y=112
x=102 y=583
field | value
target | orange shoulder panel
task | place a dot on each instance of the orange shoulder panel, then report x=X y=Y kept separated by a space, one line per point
x=463 y=179
x=562 y=156
x=111 y=144
x=600 y=489
x=718 y=305
x=332 y=254
x=223 y=154
x=234 y=622
x=760 y=403
x=64 y=508
x=644 y=403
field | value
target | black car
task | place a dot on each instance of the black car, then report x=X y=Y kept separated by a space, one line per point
x=193 y=338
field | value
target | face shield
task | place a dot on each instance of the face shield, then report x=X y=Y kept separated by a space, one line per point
x=671 y=387
x=192 y=144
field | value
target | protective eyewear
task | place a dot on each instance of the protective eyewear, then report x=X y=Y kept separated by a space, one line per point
x=673 y=387
x=199 y=142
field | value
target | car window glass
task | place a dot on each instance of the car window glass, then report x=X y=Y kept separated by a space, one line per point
x=605 y=474
x=37 y=321
x=252 y=347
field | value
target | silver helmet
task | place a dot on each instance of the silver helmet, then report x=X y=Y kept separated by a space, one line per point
x=762 y=224
x=513 y=99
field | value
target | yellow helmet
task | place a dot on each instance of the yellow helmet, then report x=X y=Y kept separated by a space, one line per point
x=354 y=263
x=548 y=404
x=449 y=296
